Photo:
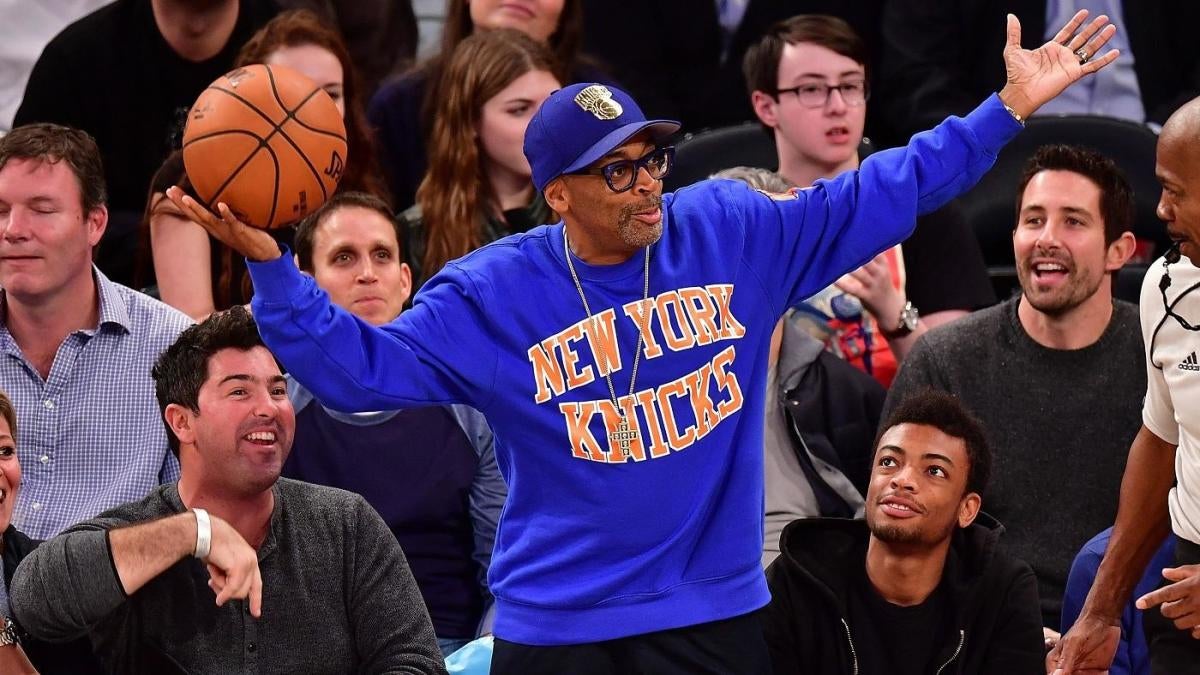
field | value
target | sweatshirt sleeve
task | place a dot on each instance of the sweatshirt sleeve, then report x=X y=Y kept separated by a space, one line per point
x=391 y=627
x=801 y=242
x=67 y=585
x=438 y=352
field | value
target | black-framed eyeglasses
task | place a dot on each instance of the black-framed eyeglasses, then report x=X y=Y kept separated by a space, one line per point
x=622 y=174
x=816 y=94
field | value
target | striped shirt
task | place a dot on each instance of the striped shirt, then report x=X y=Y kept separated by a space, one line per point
x=91 y=435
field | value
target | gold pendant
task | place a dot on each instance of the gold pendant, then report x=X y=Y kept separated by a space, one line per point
x=623 y=436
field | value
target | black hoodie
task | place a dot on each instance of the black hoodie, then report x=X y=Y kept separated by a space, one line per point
x=993 y=599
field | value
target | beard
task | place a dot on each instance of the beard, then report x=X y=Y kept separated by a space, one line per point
x=904 y=536
x=636 y=234
x=1080 y=285
x=913 y=535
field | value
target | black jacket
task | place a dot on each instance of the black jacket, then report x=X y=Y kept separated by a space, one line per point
x=72 y=658
x=833 y=410
x=993 y=599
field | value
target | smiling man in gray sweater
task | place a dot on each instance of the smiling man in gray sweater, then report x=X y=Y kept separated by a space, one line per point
x=232 y=570
x=1056 y=374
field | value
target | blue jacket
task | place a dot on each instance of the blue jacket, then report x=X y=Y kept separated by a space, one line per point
x=1133 y=655
x=594 y=545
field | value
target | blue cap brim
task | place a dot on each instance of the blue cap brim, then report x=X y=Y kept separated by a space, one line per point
x=660 y=129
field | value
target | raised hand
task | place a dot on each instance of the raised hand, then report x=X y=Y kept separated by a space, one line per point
x=233 y=566
x=1038 y=75
x=252 y=243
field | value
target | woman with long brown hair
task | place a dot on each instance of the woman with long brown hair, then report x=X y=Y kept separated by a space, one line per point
x=478 y=186
x=196 y=274
x=402 y=111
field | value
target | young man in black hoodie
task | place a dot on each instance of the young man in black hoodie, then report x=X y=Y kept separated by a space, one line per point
x=920 y=586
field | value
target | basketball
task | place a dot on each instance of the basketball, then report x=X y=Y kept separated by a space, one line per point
x=266 y=141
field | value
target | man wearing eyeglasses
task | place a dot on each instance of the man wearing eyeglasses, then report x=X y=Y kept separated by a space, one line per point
x=620 y=359
x=809 y=86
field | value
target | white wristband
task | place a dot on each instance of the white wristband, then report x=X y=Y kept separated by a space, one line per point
x=203 y=533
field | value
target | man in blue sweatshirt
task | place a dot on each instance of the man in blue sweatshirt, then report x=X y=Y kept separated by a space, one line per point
x=620 y=358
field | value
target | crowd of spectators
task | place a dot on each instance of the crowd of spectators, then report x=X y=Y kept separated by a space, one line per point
x=154 y=456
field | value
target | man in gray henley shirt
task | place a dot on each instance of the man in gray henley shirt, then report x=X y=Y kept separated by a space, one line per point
x=232 y=569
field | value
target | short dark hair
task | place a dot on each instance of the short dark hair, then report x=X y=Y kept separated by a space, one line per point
x=181 y=370
x=760 y=65
x=1116 y=196
x=306 y=231
x=53 y=143
x=944 y=412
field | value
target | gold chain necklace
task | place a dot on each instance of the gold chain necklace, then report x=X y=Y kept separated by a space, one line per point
x=625 y=434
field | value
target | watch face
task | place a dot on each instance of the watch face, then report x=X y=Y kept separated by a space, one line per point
x=909 y=317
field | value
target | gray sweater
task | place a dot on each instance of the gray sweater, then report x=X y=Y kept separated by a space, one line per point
x=1060 y=423
x=338 y=596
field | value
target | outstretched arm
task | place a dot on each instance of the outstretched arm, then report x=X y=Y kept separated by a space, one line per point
x=421 y=358
x=848 y=220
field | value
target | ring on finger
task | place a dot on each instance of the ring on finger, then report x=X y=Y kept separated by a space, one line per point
x=1082 y=55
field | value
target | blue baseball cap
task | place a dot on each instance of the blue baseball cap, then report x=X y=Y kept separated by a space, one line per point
x=579 y=124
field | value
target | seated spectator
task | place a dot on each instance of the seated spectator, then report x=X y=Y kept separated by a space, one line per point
x=127 y=74
x=193 y=272
x=380 y=34
x=939 y=58
x=688 y=64
x=19 y=654
x=478 y=187
x=306 y=579
x=821 y=418
x=1022 y=365
x=921 y=585
x=938 y=275
x=79 y=347
x=430 y=472
x=402 y=111
x=1133 y=654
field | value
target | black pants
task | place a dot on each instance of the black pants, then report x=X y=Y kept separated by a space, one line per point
x=1173 y=651
x=729 y=647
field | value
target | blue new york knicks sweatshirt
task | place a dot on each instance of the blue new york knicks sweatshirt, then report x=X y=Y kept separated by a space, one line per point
x=594 y=543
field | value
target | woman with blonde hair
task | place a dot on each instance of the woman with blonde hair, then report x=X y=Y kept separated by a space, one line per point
x=196 y=274
x=478 y=186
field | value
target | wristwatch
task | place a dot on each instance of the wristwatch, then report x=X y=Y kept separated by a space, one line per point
x=8 y=636
x=905 y=325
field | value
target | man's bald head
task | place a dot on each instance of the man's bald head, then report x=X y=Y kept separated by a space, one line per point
x=1175 y=167
x=1182 y=130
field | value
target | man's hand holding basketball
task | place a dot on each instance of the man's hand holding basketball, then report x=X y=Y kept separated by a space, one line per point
x=253 y=243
